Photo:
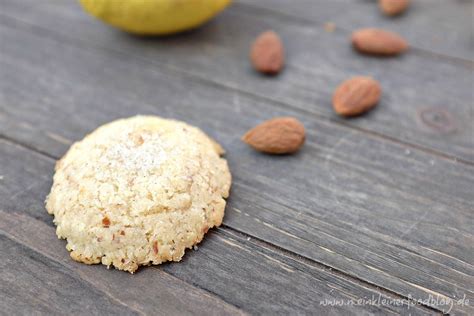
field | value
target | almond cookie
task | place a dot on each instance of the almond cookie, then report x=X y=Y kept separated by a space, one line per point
x=138 y=191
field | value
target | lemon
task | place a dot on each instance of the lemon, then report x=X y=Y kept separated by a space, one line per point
x=154 y=17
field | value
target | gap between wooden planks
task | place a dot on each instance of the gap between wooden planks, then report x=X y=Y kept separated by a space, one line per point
x=334 y=159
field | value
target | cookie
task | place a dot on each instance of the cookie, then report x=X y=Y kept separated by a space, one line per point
x=138 y=191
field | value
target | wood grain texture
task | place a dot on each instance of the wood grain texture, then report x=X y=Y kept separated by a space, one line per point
x=420 y=91
x=380 y=204
x=227 y=267
x=29 y=284
x=372 y=208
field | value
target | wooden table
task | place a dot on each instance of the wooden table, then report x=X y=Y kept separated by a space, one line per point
x=377 y=207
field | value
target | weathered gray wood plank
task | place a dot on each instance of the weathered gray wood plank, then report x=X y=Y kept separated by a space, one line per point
x=438 y=26
x=33 y=281
x=240 y=271
x=31 y=284
x=420 y=90
x=360 y=204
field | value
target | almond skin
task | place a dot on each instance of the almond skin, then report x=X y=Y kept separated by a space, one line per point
x=356 y=96
x=393 y=7
x=378 y=42
x=267 y=53
x=281 y=135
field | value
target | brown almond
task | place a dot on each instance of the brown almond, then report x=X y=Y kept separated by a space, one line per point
x=393 y=7
x=356 y=96
x=379 y=42
x=267 y=53
x=281 y=135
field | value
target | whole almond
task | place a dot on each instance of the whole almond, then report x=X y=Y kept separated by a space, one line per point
x=267 y=53
x=281 y=135
x=379 y=42
x=356 y=96
x=393 y=7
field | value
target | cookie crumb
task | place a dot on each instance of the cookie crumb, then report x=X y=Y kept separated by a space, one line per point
x=330 y=27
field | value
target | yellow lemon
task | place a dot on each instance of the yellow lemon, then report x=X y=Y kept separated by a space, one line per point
x=154 y=17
